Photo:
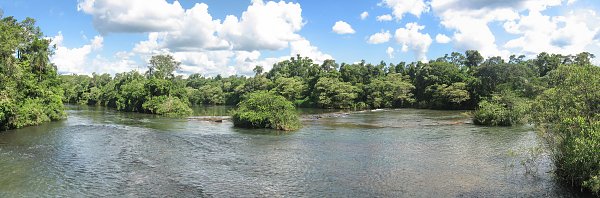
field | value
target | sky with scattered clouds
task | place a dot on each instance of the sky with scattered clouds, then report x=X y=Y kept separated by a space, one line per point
x=231 y=37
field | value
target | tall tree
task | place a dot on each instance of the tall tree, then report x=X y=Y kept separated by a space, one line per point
x=473 y=58
x=163 y=66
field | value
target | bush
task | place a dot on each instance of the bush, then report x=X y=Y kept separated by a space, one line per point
x=264 y=109
x=501 y=110
x=568 y=113
x=579 y=147
x=167 y=106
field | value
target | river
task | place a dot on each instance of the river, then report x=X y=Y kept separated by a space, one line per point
x=391 y=153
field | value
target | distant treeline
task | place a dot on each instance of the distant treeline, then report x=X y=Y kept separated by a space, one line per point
x=455 y=81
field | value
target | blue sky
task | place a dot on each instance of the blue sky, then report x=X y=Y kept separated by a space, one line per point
x=116 y=36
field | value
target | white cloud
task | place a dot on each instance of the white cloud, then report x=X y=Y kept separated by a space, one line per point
x=401 y=7
x=342 y=27
x=570 y=34
x=385 y=17
x=380 y=37
x=390 y=52
x=442 y=38
x=306 y=49
x=411 y=38
x=264 y=26
x=206 y=63
x=121 y=63
x=198 y=32
x=204 y=44
x=73 y=60
x=470 y=19
x=132 y=15
x=364 y=15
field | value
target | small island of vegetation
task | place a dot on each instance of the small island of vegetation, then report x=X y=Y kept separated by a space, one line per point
x=265 y=109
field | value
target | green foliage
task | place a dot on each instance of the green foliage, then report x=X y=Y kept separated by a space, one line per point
x=569 y=115
x=504 y=109
x=29 y=85
x=158 y=92
x=264 y=109
x=493 y=78
x=392 y=91
x=447 y=96
x=162 y=66
x=167 y=106
x=291 y=88
x=332 y=93
x=207 y=94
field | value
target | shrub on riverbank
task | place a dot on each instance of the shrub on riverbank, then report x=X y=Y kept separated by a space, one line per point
x=501 y=110
x=568 y=114
x=265 y=109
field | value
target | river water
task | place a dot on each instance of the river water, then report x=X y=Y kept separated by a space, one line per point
x=391 y=153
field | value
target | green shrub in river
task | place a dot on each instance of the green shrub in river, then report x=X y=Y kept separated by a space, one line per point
x=167 y=106
x=503 y=109
x=265 y=109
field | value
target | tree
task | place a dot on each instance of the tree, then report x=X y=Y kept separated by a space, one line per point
x=432 y=75
x=258 y=70
x=332 y=93
x=473 y=58
x=584 y=58
x=504 y=109
x=392 y=91
x=162 y=66
x=447 y=96
x=291 y=88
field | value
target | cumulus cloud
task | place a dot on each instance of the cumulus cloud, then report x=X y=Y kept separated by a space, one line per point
x=198 y=31
x=378 y=38
x=342 y=27
x=204 y=44
x=264 y=26
x=385 y=17
x=390 y=52
x=132 y=15
x=306 y=49
x=73 y=60
x=411 y=38
x=470 y=18
x=207 y=63
x=570 y=34
x=401 y=7
x=442 y=38
x=121 y=62
x=364 y=15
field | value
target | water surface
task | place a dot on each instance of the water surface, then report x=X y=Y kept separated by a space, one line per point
x=407 y=152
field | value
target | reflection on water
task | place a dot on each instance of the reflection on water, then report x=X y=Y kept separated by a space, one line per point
x=407 y=152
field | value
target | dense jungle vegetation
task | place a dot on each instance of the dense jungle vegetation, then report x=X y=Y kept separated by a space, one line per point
x=30 y=91
x=559 y=93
